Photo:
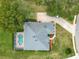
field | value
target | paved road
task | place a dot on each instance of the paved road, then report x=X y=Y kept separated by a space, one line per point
x=43 y=17
x=77 y=34
x=73 y=57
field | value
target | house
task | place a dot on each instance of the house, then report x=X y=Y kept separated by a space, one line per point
x=36 y=36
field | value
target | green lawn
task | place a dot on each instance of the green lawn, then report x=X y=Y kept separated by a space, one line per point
x=61 y=43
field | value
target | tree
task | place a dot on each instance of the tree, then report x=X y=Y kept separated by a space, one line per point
x=13 y=13
x=64 y=8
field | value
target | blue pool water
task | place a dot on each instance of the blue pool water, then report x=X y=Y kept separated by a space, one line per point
x=20 y=39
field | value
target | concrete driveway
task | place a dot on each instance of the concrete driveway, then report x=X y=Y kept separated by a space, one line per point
x=43 y=17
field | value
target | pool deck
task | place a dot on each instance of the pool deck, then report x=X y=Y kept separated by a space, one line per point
x=17 y=46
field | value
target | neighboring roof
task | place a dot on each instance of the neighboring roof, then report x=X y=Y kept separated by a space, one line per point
x=77 y=34
x=36 y=35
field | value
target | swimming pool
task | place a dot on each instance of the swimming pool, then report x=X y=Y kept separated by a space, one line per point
x=20 y=39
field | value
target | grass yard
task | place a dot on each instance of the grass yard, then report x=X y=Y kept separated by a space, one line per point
x=34 y=6
x=63 y=44
x=60 y=50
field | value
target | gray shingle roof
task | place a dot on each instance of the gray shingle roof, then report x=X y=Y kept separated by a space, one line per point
x=36 y=35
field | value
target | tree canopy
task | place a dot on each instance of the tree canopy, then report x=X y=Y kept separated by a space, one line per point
x=63 y=8
x=13 y=13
